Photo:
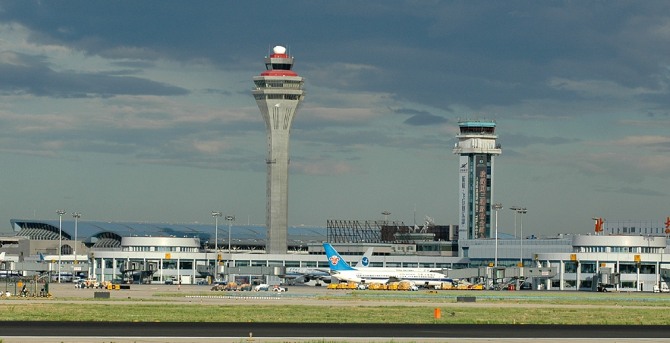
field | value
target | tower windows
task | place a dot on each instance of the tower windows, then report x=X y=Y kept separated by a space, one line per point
x=281 y=66
x=292 y=84
x=277 y=96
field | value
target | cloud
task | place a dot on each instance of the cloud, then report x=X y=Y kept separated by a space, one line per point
x=521 y=140
x=420 y=118
x=659 y=142
x=632 y=191
x=20 y=74
x=322 y=167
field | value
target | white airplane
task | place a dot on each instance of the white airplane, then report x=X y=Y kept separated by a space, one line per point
x=303 y=274
x=423 y=277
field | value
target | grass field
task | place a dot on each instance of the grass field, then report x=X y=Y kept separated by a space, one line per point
x=335 y=314
x=363 y=307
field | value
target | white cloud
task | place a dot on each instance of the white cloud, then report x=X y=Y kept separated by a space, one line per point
x=599 y=88
x=643 y=140
x=323 y=168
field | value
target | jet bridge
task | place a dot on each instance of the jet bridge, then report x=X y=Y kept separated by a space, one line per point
x=502 y=277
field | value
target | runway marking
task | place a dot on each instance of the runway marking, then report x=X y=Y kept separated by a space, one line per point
x=231 y=297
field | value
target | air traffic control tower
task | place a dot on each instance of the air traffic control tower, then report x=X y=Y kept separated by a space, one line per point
x=278 y=93
x=476 y=146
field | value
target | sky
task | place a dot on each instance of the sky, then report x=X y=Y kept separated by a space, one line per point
x=142 y=110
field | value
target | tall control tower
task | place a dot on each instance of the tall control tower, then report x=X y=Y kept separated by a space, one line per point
x=278 y=93
x=477 y=146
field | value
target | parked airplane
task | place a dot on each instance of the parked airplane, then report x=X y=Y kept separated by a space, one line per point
x=303 y=274
x=339 y=269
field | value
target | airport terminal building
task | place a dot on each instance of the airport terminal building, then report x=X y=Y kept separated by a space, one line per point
x=195 y=253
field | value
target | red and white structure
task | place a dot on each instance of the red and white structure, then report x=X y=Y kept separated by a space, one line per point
x=278 y=93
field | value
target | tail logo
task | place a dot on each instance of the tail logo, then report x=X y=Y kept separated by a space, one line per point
x=334 y=260
x=365 y=261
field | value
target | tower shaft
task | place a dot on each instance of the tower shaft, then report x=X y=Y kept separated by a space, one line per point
x=477 y=147
x=278 y=93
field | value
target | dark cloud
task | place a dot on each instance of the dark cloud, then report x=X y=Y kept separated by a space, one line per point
x=33 y=76
x=420 y=118
x=440 y=54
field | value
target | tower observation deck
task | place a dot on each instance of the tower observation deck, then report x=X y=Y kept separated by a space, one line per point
x=278 y=93
x=476 y=146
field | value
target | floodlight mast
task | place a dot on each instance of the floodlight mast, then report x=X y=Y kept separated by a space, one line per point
x=60 y=239
x=76 y=216
x=496 y=207
x=521 y=211
x=229 y=219
x=216 y=215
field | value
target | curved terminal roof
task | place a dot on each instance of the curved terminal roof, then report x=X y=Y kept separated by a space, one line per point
x=92 y=230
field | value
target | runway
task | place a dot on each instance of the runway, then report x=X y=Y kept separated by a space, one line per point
x=268 y=332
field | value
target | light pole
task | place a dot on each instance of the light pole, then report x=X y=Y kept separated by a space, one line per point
x=76 y=216
x=521 y=211
x=229 y=219
x=216 y=216
x=60 y=238
x=516 y=210
x=386 y=215
x=496 y=207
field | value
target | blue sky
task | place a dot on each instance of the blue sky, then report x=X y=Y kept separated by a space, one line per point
x=142 y=110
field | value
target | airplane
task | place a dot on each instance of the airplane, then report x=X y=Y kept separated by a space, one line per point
x=303 y=274
x=422 y=277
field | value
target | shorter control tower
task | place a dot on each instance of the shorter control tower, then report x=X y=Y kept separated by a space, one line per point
x=476 y=146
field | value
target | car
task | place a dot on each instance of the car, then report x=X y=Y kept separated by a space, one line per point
x=169 y=282
x=262 y=287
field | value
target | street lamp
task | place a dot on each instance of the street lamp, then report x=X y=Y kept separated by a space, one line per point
x=60 y=238
x=521 y=211
x=76 y=216
x=216 y=216
x=496 y=207
x=516 y=210
x=386 y=215
x=229 y=219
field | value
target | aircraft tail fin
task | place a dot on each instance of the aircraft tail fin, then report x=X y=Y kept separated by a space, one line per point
x=335 y=261
x=2 y=256
x=365 y=260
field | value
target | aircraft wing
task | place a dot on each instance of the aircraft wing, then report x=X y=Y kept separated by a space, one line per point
x=313 y=274
x=394 y=279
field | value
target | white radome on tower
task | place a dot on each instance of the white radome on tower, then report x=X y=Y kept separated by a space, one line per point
x=279 y=49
